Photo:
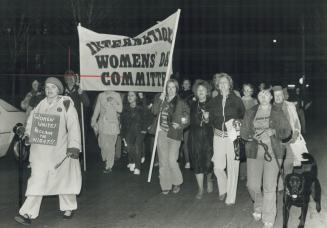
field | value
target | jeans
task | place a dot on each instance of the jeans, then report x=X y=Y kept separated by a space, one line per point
x=287 y=167
x=107 y=145
x=264 y=174
x=134 y=148
x=223 y=156
x=169 y=171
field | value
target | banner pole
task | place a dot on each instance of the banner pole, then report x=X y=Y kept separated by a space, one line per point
x=20 y=172
x=83 y=136
x=164 y=92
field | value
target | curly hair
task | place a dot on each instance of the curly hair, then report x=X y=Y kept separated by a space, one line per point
x=217 y=77
x=205 y=84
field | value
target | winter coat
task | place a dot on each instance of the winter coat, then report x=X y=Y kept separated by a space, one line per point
x=45 y=179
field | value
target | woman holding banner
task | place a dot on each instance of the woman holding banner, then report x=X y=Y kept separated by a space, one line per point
x=53 y=131
x=173 y=115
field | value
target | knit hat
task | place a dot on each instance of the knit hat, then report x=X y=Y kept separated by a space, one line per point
x=277 y=88
x=56 y=82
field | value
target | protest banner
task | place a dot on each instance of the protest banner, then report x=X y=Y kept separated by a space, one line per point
x=45 y=128
x=122 y=63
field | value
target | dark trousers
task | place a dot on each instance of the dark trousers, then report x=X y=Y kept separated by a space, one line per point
x=134 y=149
x=185 y=145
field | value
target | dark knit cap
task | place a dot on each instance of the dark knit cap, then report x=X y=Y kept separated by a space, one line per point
x=56 y=82
x=277 y=88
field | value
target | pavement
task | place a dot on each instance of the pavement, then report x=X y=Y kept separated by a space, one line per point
x=121 y=199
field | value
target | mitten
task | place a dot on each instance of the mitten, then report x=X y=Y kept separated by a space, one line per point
x=73 y=153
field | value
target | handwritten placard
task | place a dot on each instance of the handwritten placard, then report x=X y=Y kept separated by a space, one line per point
x=45 y=128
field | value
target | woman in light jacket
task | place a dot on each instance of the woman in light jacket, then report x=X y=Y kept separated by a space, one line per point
x=105 y=122
x=64 y=144
x=173 y=114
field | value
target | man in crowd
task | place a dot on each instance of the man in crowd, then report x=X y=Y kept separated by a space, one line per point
x=73 y=90
x=289 y=111
x=186 y=94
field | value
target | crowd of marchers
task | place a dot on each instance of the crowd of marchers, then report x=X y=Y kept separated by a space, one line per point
x=220 y=132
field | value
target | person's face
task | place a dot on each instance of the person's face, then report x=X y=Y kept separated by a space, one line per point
x=278 y=96
x=171 y=89
x=248 y=91
x=201 y=92
x=69 y=79
x=51 y=90
x=297 y=91
x=223 y=84
x=262 y=86
x=286 y=95
x=131 y=97
x=35 y=86
x=140 y=94
x=264 y=97
x=215 y=82
x=186 y=85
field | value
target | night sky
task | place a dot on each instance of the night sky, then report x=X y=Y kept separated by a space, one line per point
x=233 y=36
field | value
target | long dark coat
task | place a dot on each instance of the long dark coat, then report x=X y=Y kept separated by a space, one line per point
x=200 y=139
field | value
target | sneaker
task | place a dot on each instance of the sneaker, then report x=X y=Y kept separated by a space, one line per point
x=187 y=165
x=256 y=216
x=199 y=195
x=268 y=225
x=165 y=192
x=142 y=160
x=129 y=165
x=176 y=189
x=24 y=220
x=107 y=170
x=222 y=197
x=68 y=215
x=132 y=167
x=137 y=172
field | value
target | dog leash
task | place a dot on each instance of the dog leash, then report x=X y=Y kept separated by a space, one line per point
x=267 y=156
x=281 y=172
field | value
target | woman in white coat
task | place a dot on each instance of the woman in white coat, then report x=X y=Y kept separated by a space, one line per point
x=54 y=116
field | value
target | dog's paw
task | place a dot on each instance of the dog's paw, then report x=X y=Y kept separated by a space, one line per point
x=318 y=207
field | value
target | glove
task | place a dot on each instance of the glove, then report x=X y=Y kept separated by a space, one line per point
x=27 y=140
x=73 y=153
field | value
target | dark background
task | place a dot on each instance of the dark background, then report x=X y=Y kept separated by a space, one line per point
x=233 y=36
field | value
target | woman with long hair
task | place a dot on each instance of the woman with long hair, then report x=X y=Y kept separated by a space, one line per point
x=133 y=131
x=173 y=114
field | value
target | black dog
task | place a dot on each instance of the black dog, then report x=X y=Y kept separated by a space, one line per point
x=298 y=186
